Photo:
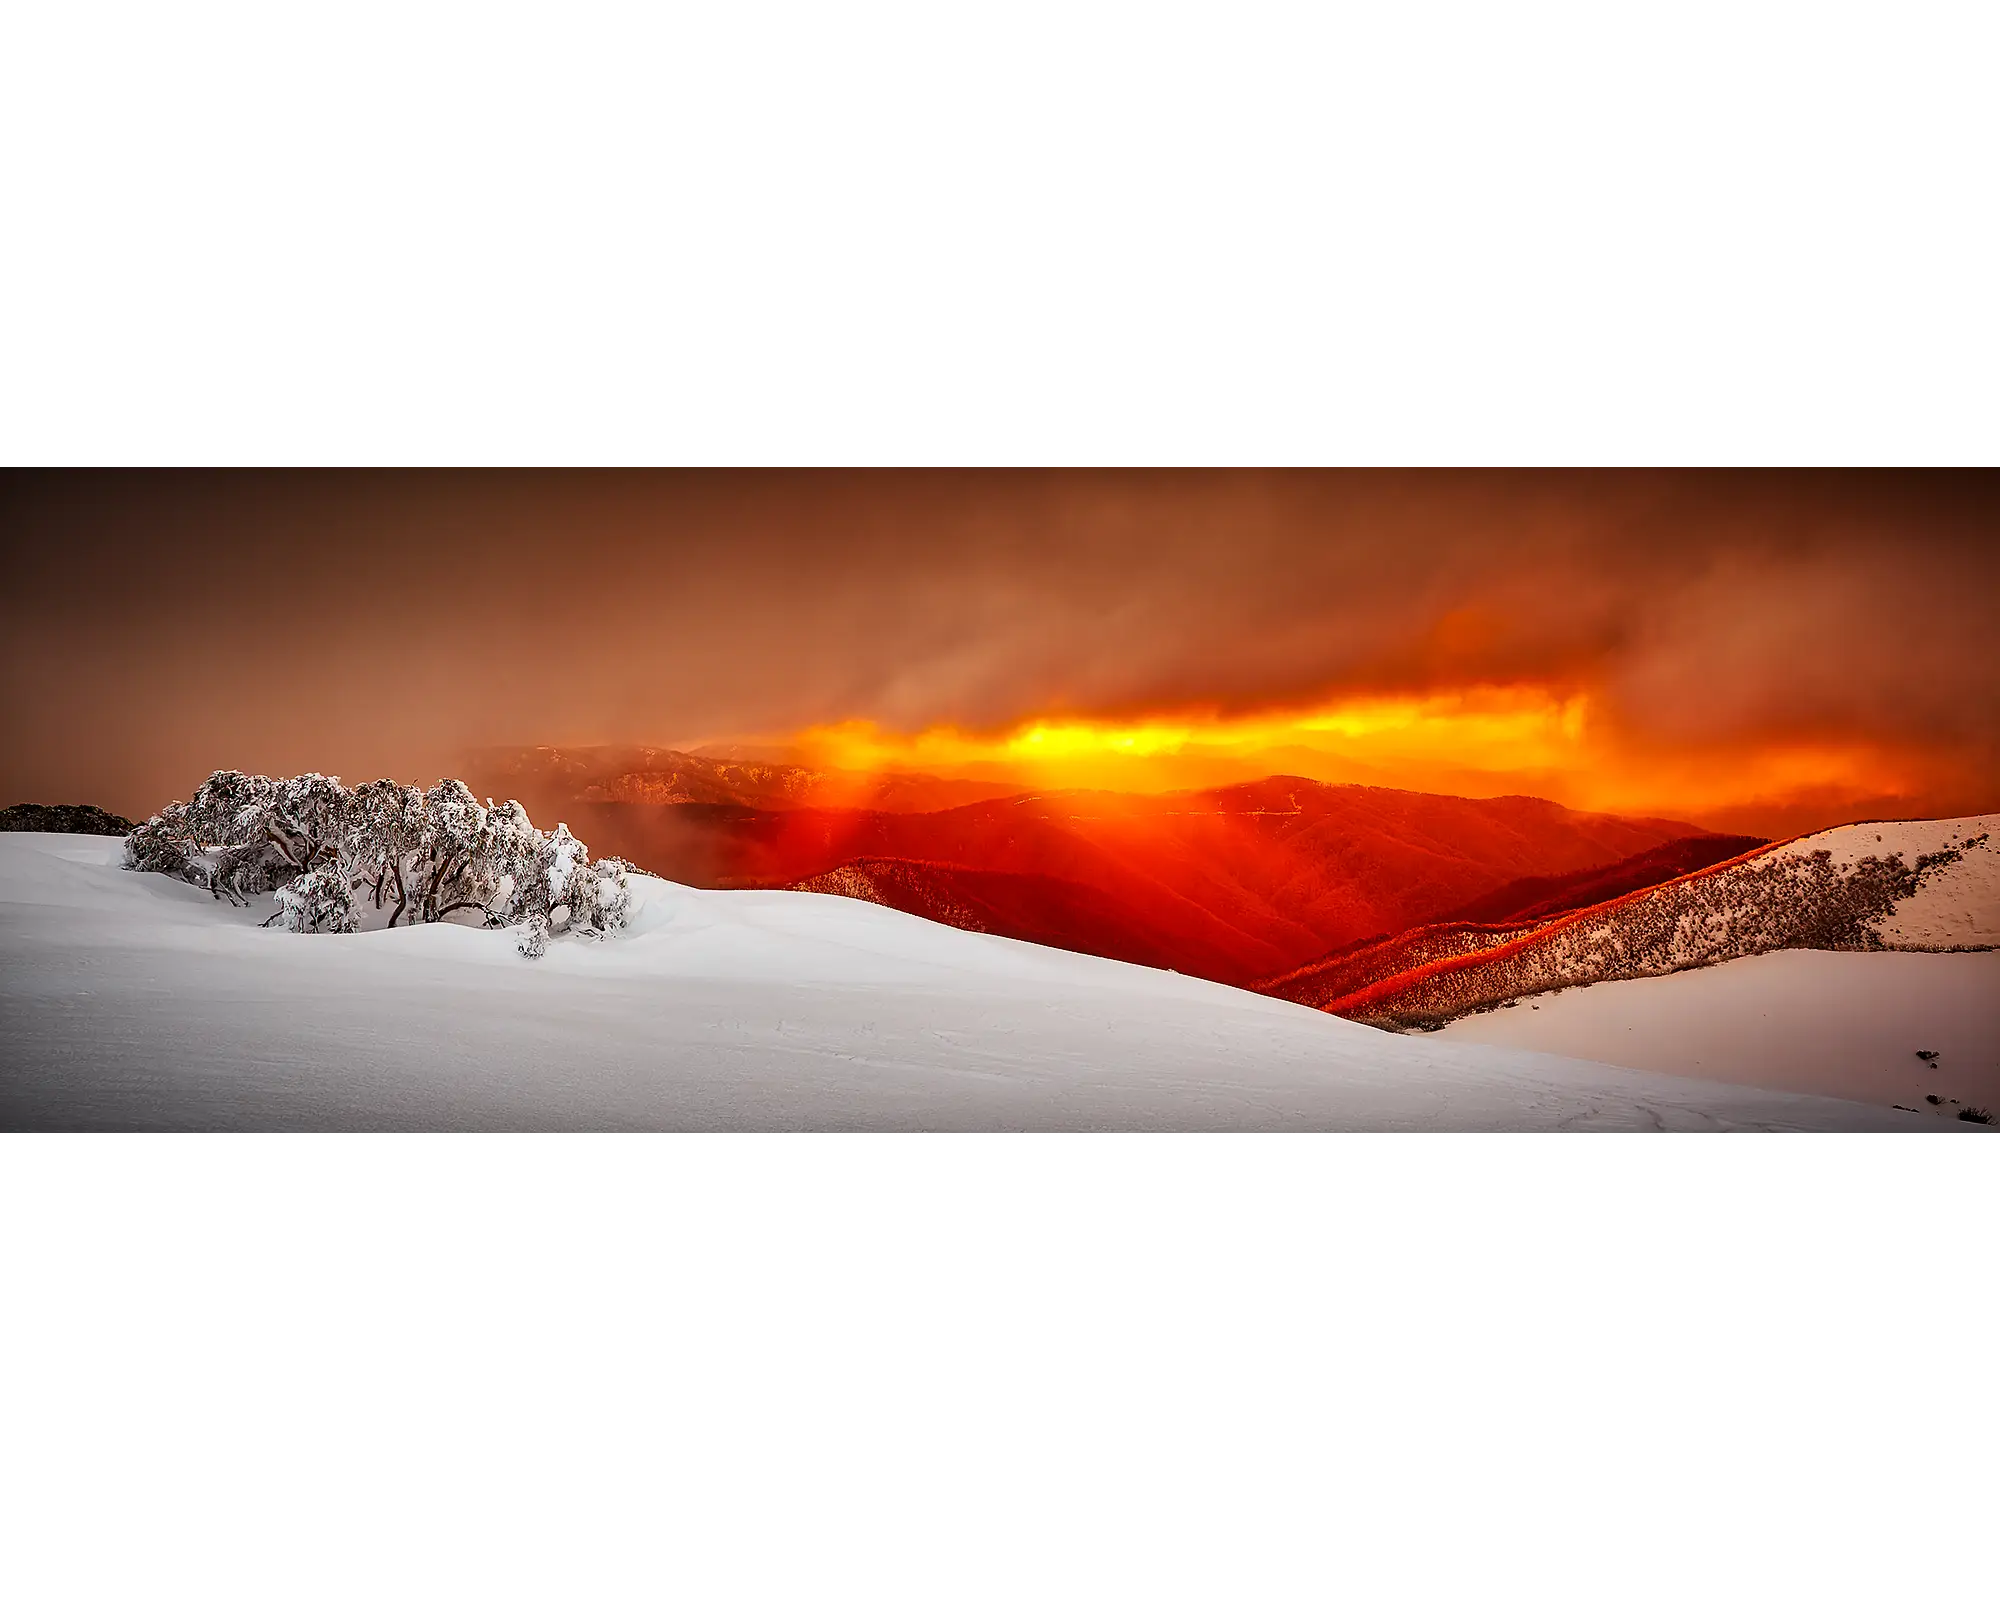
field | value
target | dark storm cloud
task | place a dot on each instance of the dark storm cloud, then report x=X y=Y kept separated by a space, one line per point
x=160 y=625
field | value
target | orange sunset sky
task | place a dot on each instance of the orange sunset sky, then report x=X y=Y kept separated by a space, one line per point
x=1767 y=651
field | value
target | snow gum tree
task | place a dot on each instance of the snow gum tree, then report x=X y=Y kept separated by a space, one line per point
x=385 y=832
x=307 y=818
x=560 y=879
x=244 y=834
x=334 y=855
x=562 y=885
x=231 y=809
x=164 y=843
x=453 y=863
x=511 y=844
x=612 y=888
x=319 y=901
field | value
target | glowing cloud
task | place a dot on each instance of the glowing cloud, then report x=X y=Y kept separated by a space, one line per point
x=1477 y=730
x=1482 y=740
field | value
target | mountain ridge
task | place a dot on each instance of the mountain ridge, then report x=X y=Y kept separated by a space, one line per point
x=1823 y=891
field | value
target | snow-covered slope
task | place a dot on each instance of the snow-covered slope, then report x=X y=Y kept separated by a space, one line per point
x=136 y=1001
x=1808 y=1021
x=1955 y=903
x=1879 y=886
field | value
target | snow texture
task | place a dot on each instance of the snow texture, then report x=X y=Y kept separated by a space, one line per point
x=133 y=1000
x=1832 y=1022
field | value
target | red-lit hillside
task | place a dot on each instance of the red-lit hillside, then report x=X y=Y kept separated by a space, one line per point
x=1495 y=919
x=1023 y=905
x=1531 y=899
x=1235 y=883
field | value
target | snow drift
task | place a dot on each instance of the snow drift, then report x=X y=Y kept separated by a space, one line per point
x=1920 y=1031
x=135 y=1000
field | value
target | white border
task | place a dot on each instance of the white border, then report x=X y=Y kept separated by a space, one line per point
x=995 y=1365
x=1056 y=234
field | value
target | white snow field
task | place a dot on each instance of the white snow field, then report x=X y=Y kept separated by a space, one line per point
x=1830 y=1022
x=132 y=1000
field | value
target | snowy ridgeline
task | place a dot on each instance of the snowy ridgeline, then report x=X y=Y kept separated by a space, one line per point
x=382 y=855
x=1879 y=886
x=134 y=1000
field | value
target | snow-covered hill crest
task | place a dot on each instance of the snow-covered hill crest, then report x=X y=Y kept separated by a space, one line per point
x=1913 y=886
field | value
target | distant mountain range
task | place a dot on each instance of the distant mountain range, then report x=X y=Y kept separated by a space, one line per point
x=648 y=776
x=1236 y=883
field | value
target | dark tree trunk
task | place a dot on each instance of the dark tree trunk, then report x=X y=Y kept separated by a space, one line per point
x=439 y=878
x=402 y=894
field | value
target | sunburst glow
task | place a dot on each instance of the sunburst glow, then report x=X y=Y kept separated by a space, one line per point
x=1485 y=740
x=1483 y=730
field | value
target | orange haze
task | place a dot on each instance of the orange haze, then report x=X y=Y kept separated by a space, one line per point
x=1479 y=741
